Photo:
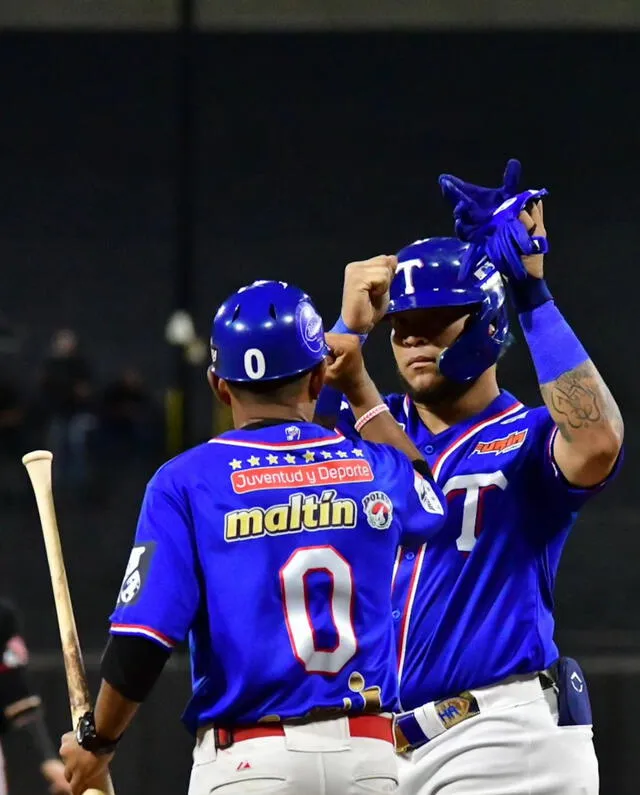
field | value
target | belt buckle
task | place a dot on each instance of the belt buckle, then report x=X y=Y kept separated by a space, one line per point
x=220 y=746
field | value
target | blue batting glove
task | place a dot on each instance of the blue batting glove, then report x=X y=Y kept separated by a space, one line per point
x=474 y=204
x=505 y=240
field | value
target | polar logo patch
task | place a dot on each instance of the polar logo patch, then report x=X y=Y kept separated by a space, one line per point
x=427 y=496
x=378 y=509
x=136 y=571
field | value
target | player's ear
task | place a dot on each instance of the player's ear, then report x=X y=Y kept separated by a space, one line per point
x=219 y=387
x=316 y=381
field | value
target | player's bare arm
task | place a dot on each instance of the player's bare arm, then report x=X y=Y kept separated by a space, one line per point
x=589 y=421
x=347 y=373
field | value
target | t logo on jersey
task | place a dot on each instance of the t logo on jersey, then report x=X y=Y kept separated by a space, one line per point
x=503 y=445
x=378 y=509
x=135 y=573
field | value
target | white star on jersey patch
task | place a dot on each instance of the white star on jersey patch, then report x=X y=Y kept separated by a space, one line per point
x=235 y=464
x=325 y=454
x=308 y=455
x=254 y=460
x=357 y=452
x=272 y=459
x=290 y=459
x=341 y=454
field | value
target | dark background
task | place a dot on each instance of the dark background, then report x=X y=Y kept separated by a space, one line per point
x=306 y=151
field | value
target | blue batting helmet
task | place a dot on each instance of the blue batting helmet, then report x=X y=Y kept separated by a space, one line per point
x=265 y=331
x=428 y=276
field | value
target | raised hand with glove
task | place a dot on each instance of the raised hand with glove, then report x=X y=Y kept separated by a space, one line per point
x=473 y=204
x=489 y=219
x=512 y=236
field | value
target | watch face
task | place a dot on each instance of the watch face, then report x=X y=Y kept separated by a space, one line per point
x=85 y=730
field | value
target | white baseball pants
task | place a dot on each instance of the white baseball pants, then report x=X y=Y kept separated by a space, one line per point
x=315 y=759
x=513 y=747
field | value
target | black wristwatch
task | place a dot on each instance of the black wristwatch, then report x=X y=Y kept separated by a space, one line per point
x=89 y=739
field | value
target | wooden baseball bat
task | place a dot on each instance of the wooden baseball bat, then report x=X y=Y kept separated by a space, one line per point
x=38 y=465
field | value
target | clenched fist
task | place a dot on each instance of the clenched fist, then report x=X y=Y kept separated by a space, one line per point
x=345 y=366
x=365 y=296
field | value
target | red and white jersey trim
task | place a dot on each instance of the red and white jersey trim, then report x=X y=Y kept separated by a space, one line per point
x=298 y=445
x=406 y=618
x=479 y=426
x=147 y=632
x=396 y=565
x=417 y=569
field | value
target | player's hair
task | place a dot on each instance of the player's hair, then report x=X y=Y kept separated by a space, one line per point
x=279 y=390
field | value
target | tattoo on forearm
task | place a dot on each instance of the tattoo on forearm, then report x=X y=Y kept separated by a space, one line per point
x=574 y=396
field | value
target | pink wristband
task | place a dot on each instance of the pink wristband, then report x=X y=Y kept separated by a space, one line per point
x=369 y=415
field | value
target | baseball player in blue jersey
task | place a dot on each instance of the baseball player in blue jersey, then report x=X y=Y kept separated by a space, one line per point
x=271 y=549
x=489 y=705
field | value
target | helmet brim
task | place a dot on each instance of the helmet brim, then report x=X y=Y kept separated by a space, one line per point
x=435 y=298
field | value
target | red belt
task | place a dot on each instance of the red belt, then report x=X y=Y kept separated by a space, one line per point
x=376 y=727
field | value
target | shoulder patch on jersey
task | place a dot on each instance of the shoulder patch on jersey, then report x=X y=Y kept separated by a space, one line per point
x=378 y=509
x=136 y=571
x=503 y=445
x=427 y=496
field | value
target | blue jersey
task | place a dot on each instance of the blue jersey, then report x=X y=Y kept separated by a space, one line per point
x=273 y=550
x=475 y=605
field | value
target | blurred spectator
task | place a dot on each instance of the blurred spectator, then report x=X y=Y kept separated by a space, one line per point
x=129 y=415
x=20 y=708
x=12 y=417
x=12 y=408
x=66 y=399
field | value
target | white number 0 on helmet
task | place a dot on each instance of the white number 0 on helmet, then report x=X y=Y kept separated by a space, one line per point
x=255 y=365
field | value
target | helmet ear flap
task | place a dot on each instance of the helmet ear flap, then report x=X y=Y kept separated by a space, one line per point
x=475 y=349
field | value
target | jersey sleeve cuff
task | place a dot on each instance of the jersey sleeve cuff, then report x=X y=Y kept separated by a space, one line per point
x=141 y=630
x=570 y=487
